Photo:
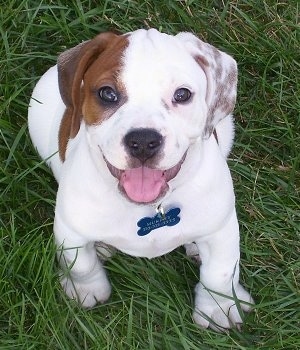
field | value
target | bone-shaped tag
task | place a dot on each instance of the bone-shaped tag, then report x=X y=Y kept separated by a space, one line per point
x=148 y=224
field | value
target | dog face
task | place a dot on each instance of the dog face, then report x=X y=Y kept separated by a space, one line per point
x=144 y=98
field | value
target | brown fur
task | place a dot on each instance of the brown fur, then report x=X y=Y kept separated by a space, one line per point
x=94 y=62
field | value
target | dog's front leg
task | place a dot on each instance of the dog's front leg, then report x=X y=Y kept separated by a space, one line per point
x=219 y=297
x=83 y=277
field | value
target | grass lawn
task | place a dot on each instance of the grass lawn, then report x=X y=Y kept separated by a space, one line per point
x=151 y=304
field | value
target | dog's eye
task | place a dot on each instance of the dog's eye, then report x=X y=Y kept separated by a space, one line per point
x=107 y=94
x=182 y=95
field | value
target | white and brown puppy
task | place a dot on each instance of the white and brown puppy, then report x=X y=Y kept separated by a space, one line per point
x=142 y=123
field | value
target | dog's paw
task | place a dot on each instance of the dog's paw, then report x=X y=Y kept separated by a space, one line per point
x=87 y=292
x=219 y=312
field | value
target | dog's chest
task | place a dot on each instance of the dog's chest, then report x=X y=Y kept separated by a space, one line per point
x=142 y=233
x=156 y=243
x=152 y=238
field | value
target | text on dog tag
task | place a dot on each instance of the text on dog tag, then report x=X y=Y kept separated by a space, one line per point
x=148 y=224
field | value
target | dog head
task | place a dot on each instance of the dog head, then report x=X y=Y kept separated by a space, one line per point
x=144 y=98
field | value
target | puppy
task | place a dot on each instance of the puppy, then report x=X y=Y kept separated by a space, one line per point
x=136 y=129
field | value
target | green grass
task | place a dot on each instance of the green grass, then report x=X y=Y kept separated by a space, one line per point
x=151 y=304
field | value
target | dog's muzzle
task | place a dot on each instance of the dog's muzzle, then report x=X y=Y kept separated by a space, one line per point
x=144 y=184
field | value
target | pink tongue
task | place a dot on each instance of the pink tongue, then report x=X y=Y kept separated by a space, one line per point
x=143 y=184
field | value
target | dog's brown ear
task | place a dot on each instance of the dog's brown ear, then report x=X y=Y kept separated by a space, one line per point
x=72 y=65
x=221 y=74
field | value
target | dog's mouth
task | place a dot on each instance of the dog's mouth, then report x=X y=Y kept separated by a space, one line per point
x=144 y=184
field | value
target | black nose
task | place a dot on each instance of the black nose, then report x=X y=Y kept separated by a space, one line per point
x=143 y=143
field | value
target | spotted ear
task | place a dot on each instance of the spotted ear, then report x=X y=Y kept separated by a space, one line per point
x=72 y=65
x=221 y=74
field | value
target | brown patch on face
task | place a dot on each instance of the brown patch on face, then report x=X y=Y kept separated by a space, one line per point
x=104 y=71
x=92 y=62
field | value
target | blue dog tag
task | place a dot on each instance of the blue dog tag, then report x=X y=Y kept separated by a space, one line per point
x=161 y=219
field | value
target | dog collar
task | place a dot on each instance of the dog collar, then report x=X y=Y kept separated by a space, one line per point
x=160 y=219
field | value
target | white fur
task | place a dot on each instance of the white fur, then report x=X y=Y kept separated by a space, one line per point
x=89 y=207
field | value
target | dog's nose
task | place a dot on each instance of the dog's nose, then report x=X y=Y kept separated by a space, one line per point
x=143 y=143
